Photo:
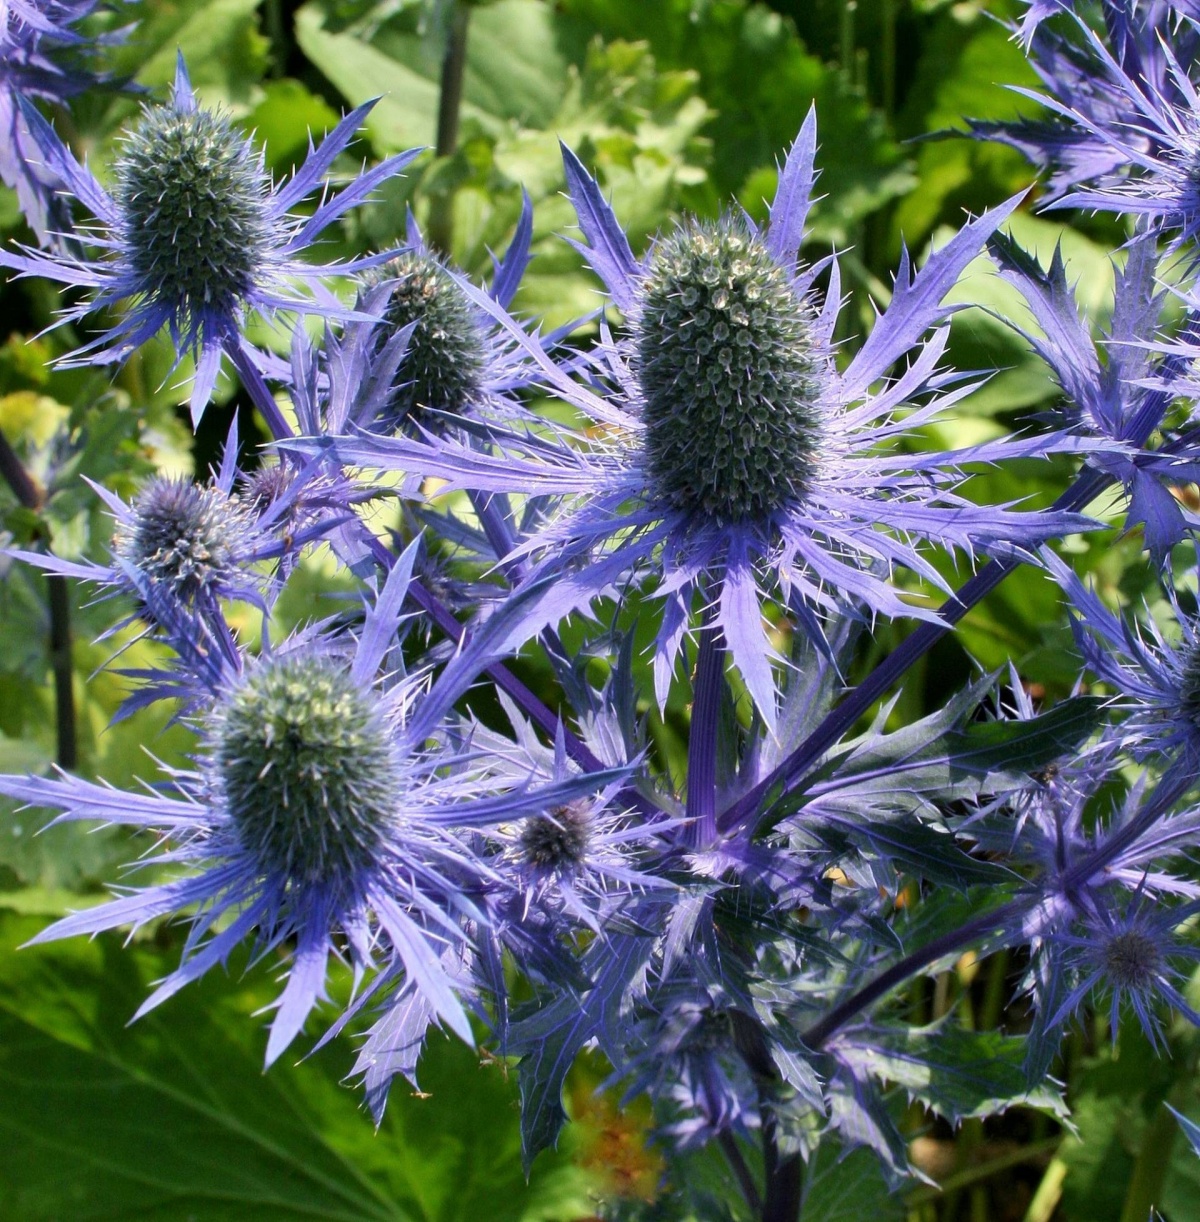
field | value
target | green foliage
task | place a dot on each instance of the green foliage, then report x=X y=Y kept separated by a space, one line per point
x=173 y=1117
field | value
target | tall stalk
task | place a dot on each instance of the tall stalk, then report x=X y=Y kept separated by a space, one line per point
x=58 y=597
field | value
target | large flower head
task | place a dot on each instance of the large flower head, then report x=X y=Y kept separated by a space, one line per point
x=723 y=448
x=314 y=819
x=195 y=233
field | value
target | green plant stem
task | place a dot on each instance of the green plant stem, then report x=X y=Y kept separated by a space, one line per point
x=58 y=596
x=1150 y=1169
x=454 y=67
x=971 y=1176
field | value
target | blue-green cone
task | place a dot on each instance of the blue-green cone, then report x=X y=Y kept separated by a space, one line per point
x=303 y=758
x=726 y=363
x=444 y=365
x=192 y=195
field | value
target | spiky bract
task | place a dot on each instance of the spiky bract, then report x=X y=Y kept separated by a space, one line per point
x=302 y=756
x=726 y=365
x=192 y=197
x=445 y=360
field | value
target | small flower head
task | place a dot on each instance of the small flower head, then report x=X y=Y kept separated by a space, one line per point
x=557 y=841
x=192 y=539
x=303 y=760
x=730 y=375
x=1133 y=953
x=192 y=194
x=446 y=358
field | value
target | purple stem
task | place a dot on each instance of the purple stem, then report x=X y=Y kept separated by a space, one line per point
x=258 y=390
x=702 y=740
x=914 y=647
x=1175 y=782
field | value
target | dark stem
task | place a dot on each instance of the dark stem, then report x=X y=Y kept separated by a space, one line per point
x=947 y=944
x=454 y=66
x=702 y=741
x=58 y=595
x=784 y=1177
x=24 y=487
x=737 y=1163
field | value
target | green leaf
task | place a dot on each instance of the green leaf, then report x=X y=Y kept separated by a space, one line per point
x=226 y=55
x=957 y=1074
x=173 y=1117
x=841 y=1187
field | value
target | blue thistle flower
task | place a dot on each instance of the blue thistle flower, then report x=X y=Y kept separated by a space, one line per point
x=1117 y=392
x=196 y=234
x=1133 y=953
x=42 y=57
x=1157 y=680
x=315 y=816
x=179 y=547
x=729 y=453
x=1123 y=135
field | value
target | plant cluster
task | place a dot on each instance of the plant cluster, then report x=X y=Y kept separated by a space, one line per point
x=707 y=470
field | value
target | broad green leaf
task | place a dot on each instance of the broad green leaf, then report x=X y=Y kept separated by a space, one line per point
x=226 y=55
x=956 y=1073
x=850 y=1187
x=173 y=1118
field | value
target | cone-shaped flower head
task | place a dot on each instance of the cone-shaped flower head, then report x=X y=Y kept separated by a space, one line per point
x=316 y=819
x=726 y=360
x=445 y=360
x=193 y=198
x=195 y=234
x=193 y=539
x=304 y=762
x=556 y=841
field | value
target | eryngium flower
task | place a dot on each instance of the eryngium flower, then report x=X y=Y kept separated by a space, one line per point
x=196 y=234
x=1123 y=135
x=1156 y=678
x=315 y=819
x=723 y=447
x=42 y=57
x=1117 y=392
x=1130 y=951
x=445 y=360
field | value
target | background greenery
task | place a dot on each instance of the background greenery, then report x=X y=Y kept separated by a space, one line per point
x=680 y=105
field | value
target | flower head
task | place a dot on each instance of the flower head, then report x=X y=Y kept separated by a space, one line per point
x=195 y=234
x=446 y=357
x=1133 y=953
x=1117 y=393
x=315 y=817
x=1123 y=135
x=724 y=451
